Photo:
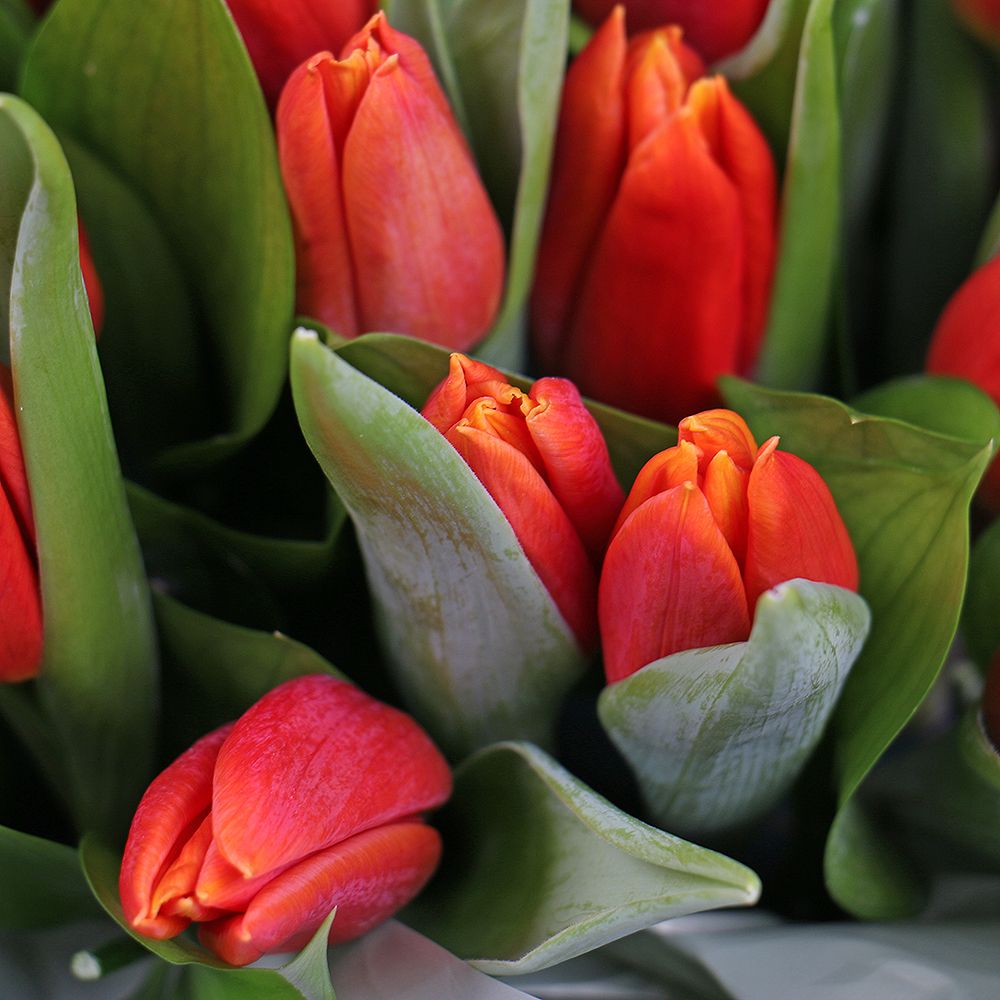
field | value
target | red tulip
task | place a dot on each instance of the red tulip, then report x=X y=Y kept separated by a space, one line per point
x=312 y=800
x=393 y=228
x=279 y=34
x=20 y=599
x=542 y=458
x=982 y=18
x=710 y=525
x=658 y=248
x=715 y=29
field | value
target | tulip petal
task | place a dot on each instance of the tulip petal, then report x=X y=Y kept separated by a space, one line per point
x=175 y=889
x=222 y=886
x=446 y=404
x=367 y=878
x=314 y=761
x=720 y=430
x=670 y=582
x=310 y=168
x=543 y=528
x=20 y=600
x=665 y=470
x=592 y=131
x=13 y=476
x=725 y=489
x=577 y=464
x=660 y=314
x=656 y=86
x=795 y=528
x=427 y=247
x=172 y=808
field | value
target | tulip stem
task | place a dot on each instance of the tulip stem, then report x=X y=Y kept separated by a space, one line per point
x=95 y=963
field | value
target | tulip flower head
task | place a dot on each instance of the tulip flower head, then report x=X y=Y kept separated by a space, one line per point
x=312 y=800
x=658 y=248
x=20 y=598
x=709 y=525
x=542 y=458
x=966 y=344
x=393 y=228
x=716 y=28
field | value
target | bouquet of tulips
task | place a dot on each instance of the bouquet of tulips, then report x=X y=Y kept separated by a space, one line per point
x=484 y=483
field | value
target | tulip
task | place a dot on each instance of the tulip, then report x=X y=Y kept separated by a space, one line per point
x=311 y=800
x=709 y=525
x=966 y=344
x=279 y=34
x=542 y=458
x=20 y=598
x=715 y=29
x=658 y=247
x=91 y=282
x=982 y=18
x=393 y=229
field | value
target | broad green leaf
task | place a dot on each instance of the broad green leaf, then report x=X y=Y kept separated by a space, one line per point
x=99 y=646
x=904 y=494
x=550 y=870
x=795 y=341
x=164 y=94
x=209 y=978
x=479 y=649
x=939 y=185
x=43 y=885
x=980 y=621
x=16 y=25
x=394 y=962
x=716 y=736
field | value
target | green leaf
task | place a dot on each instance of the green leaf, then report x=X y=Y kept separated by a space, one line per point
x=16 y=25
x=479 y=648
x=551 y=870
x=164 y=94
x=209 y=978
x=904 y=494
x=43 y=885
x=980 y=621
x=796 y=337
x=716 y=736
x=99 y=646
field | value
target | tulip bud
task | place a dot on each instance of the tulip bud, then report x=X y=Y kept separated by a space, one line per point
x=982 y=18
x=715 y=29
x=542 y=458
x=279 y=34
x=709 y=525
x=20 y=598
x=393 y=229
x=658 y=247
x=312 y=800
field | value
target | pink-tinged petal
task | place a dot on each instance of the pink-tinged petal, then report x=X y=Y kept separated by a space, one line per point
x=543 y=528
x=310 y=168
x=720 y=430
x=795 y=529
x=367 y=878
x=742 y=151
x=280 y=34
x=427 y=246
x=725 y=489
x=592 y=132
x=171 y=810
x=313 y=762
x=447 y=403
x=670 y=582
x=577 y=464
x=665 y=470
x=660 y=314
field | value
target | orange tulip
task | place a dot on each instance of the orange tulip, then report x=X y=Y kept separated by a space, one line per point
x=966 y=344
x=279 y=34
x=312 y=800
x=542 y=458
x=20 y=598
x=715 y=29
x=393 y=228
x=658 y=248
x=982 y=18
x=709 y=525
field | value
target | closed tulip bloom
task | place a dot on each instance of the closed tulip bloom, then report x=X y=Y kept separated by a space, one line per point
x=542 y=458
x=393 y=228
x=716 y=28
x=20 y=599
x=982 y=17
x=966 y=344
x=312 y=800
x=658 y=248
x=709 y=525
x=280 y=34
